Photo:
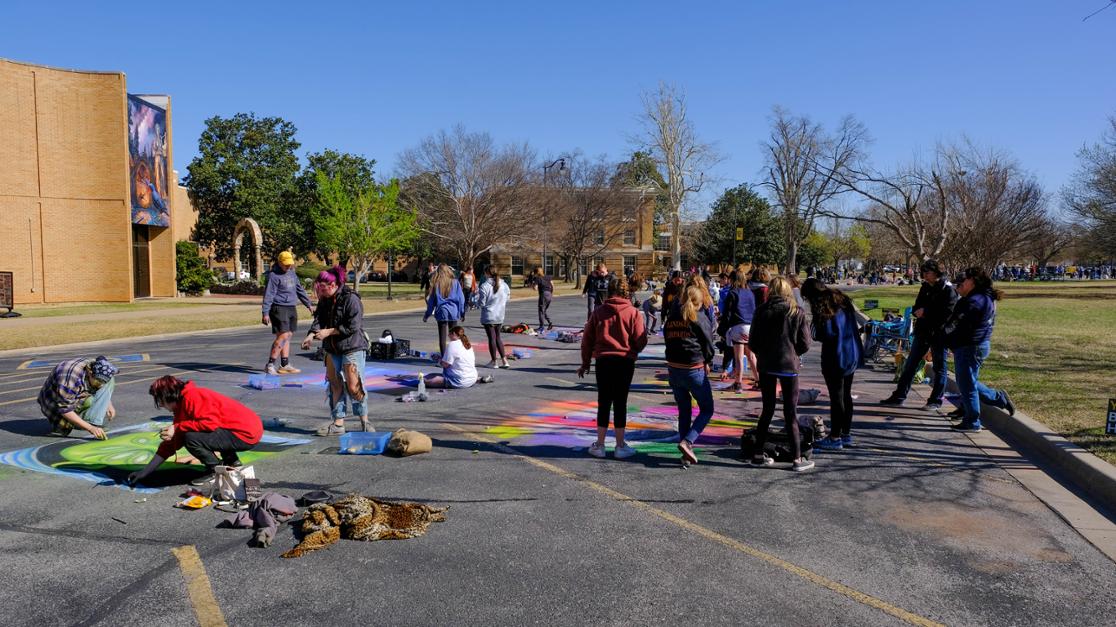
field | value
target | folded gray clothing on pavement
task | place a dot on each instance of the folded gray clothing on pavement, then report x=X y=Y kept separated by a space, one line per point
x=264 y=515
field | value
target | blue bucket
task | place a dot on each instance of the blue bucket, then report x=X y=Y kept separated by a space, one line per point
x=364 y=442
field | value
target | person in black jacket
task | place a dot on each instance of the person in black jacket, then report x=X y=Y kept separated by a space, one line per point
x=544 y=285
x=778 y=337
x=932 y=308
x=338 y=325
x=835 y=326
x=596 y=288
x=689 y=353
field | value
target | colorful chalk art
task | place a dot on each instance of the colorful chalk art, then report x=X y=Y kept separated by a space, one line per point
x=109 y=462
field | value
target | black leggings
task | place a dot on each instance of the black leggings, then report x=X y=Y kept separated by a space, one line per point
x=840 y=402
x=443 y=333
x=790 y=409
x=202 y=445
x=614 y=380
x=495 y=343
x=544 y=304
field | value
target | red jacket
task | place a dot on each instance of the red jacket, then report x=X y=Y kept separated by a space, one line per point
x=614 y=330
x=201 y=409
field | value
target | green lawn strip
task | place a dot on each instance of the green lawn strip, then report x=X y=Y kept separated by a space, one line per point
x=1055 y=354
x=31 y=311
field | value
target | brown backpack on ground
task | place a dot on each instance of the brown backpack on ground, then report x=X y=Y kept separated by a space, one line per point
x=406 y=442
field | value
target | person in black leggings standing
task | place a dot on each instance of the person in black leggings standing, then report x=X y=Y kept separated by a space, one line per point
x=778 y=337
x=544 y=285
x=614 y=336
x=835 y=326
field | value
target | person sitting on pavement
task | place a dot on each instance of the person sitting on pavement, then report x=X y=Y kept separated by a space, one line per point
x=458 y=362
x=78 y=393
x=932 y=308
x=968 y=333
x=206 y=423
x=339 y=326
x=280 y=309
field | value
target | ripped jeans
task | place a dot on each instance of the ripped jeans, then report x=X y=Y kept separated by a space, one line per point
x=345 y=374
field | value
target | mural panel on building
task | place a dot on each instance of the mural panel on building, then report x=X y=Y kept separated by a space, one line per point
x=147 y=162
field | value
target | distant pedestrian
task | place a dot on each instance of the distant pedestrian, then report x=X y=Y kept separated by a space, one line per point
x=596 y=288
x=280 y=309
x=835 y=326
x=446 y=302
x=735 y=328
x=614 y=336
x=427 y=277
x=653 y=311
x=469 y=289
x=757 y=282
x=673 y=290
x=493 y=298
x=779 y=337
x=968 y=333
x=932 y=309
x=689 y=354
x=544 y=285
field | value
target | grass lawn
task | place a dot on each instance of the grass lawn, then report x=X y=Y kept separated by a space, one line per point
x=50 y=311
x=1053 y=349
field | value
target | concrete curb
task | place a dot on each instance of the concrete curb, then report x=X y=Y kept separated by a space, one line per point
x=225 y=330
x=1091 y=474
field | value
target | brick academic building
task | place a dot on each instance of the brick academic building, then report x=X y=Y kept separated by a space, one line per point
x=90 y=206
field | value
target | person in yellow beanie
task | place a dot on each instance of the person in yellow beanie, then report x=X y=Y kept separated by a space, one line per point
x=280 y=310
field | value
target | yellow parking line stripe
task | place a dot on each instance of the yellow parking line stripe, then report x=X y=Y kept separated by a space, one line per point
x=808 y=575
x=36 y=387
x=205 y=606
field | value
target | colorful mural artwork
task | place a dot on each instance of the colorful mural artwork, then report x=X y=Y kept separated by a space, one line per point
x=651 y=430
x=45 y=363
x=376 y=379
x=147 y=152
x=109 y=461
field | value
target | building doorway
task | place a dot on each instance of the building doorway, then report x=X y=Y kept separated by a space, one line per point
x=141 y=260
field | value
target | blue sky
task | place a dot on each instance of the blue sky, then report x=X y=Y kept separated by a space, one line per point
x=1027 y=77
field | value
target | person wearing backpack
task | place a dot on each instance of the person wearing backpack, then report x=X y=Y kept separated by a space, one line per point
x=932 y=308
x=614 y=336
x=835 y=326
x=778 y=338
x=493 y=299
x=689 y=353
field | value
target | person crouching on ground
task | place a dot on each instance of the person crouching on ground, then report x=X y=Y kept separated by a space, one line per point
x=689 y=353
x=446 y=301
x=968 y=333
x=338 y=325
x=78 y=393
x=459 y=364
x=835 y=326
x=206 y=423
x=614 y=336
x=280 y=310
x=778 y=337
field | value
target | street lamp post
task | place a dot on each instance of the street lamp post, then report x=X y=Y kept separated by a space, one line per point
x=560 y=162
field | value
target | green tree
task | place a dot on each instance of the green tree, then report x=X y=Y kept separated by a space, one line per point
x=354 y=172
x=741 y=207
x=192 y=276
x=364 y=224
x=640 y=170
x=815 y=250
x=246 y=168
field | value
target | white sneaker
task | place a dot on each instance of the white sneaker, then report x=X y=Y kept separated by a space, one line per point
x=596 y=450
x=803 y=464
x=492 y=364
x=624 y=452
x=270 y=369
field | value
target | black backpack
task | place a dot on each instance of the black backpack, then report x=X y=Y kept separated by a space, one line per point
x=778 y=445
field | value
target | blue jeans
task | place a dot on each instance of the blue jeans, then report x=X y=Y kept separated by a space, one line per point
x=967 y=361
x=94 y=409
x=919 y=346
x=349 y=368
x=686 y=382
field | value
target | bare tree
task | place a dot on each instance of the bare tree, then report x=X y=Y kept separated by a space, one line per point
x=805 y=167
x=595 y=209
x=996 y=207
x=1049 y=240
x=470 y=192
x=1091 y=195
x=668 y=133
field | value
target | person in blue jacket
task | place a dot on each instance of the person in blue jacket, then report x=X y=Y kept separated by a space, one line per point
x=968 y=333
x=836 y=328
x=446 y=302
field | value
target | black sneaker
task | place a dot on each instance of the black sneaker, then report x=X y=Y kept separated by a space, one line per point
x=893 y=401
x=967 y=427
x=1008 y=405
x=204 y=481
x=956 y=414
x=932 y=405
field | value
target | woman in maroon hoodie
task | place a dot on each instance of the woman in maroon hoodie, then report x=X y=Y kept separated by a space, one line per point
x=614 y=336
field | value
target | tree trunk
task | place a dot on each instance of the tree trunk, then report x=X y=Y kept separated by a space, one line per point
x=391 y=265
x=790 y=269
x=676 y=240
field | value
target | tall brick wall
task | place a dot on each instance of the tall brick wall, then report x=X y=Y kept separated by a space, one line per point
x=65 y=222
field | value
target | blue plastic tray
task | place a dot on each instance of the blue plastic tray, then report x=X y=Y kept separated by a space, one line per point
x=364 y=442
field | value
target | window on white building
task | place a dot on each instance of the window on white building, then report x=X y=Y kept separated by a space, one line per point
x=517 y=265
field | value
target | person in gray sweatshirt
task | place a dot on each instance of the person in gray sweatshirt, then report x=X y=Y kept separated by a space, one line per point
x=280 y=310
x=493 y=299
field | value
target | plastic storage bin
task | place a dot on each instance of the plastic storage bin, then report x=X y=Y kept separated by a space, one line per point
x=364 y=443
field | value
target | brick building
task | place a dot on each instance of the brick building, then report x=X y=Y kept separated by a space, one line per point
x=68 y=229
x=626 y=243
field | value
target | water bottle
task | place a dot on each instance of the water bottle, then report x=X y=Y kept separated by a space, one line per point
x=421 y=384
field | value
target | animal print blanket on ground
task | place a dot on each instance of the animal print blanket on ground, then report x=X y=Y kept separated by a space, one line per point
x=357 y=517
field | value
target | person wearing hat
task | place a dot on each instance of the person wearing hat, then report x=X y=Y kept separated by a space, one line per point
x=280 y=310
x=932 y=308
x=78 y=393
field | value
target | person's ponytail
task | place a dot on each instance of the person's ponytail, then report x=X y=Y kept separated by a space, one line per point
x=460 y=333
